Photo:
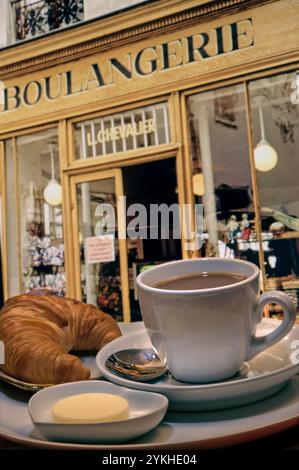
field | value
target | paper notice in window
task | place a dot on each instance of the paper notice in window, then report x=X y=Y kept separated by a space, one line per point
x=99 y=249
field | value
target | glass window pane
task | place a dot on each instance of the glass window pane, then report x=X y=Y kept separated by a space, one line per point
x=221 y=173
x=100 y=281
x=35 y=247
x=275 y=123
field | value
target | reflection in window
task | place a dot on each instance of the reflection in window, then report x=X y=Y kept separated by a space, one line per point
x=275 y=122
x=221 y=173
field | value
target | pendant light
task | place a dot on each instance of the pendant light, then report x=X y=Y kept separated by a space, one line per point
x=53 y=190
x=265 y=156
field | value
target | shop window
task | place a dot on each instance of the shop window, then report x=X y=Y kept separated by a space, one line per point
x=34 y=226
x=130 y=130
x=221 y=173
x=275 y=125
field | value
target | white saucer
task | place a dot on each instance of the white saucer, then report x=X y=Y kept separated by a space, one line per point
x=146 y=411
x=266 y=374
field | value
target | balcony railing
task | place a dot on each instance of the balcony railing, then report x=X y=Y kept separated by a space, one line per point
x=36 y=17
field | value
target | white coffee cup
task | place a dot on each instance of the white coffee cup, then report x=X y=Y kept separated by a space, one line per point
x=205 y=335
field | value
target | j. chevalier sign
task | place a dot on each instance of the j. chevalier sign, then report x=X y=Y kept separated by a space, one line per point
x=148 y=61
x=123 y=131
x=127 y=130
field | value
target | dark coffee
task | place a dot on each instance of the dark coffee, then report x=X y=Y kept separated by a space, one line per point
x=200 y=281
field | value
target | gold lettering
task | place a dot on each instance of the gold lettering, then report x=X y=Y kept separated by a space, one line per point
x=124 y=131
x=129 y=131
x=101 y=137
x=139 y=128
x=151 y=126
x=145 y=126
x=89 y=139
x=109 y=134
x=116 y=133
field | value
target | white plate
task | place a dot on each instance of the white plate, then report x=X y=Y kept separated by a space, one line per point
x=177 y=431
x=87 y=359
x=146 y=411
x=267 y=374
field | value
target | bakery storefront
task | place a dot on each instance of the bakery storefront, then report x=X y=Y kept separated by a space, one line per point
x=198 y=105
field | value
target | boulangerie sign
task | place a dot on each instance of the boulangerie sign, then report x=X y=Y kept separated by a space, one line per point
x=100 y=249
x=146 y=61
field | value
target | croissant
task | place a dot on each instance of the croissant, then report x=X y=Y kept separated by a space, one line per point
x=39 y=331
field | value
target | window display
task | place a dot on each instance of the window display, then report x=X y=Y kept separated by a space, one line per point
x=223 y=180
x=221 y=173
x=34 y=214
x=275 y=119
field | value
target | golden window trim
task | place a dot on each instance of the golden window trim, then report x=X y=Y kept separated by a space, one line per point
x=203 y=13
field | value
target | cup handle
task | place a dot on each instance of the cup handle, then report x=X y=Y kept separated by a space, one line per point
x=259 y=343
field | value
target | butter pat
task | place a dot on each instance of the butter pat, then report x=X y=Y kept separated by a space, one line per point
x=90 y=408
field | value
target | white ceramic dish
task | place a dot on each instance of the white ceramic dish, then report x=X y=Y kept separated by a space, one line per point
x=207 y=430
x=267 y=374
x=146 y=411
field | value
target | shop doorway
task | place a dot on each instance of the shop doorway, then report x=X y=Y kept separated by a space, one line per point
x=106 y=266
x=150 y=184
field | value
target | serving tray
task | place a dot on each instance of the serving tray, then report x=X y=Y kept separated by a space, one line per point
x=179 y=430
